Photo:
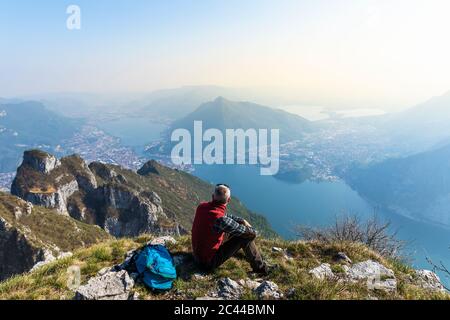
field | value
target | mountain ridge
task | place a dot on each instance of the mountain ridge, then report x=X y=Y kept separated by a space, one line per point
x=417 y=186
x=223 y=114
x=19 y=123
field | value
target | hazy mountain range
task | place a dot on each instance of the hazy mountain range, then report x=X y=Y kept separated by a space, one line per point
x=29 y=124
x=417 y=186
x=420 y=127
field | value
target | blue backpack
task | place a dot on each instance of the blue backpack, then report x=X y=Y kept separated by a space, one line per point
x=155 y=265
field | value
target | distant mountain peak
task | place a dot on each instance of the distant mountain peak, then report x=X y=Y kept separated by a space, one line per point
x=221 y=99
x=149 y=167
x=222 y=114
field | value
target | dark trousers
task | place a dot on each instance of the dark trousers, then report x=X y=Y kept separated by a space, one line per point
x=231 y=246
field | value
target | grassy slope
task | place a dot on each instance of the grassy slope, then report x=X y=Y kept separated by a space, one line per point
x=49 y=282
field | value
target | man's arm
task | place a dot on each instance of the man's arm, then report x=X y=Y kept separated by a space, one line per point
x=235 y=218
x=230 y=226
x=240 y=221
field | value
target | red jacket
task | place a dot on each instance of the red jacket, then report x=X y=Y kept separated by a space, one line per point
x=205 y=240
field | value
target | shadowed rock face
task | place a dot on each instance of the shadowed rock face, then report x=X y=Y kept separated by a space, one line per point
x=32 y=235
x=55 y=200
x=137 y=213
x=17 y=255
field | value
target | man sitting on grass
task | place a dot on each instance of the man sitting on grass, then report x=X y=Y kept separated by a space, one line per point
x=212 y=224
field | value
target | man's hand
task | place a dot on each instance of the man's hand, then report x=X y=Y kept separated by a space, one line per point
x=245 y=223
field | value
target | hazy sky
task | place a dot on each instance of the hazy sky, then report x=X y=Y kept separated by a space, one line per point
x=356 y=53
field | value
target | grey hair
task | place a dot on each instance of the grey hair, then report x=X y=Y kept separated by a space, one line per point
x=222 y=193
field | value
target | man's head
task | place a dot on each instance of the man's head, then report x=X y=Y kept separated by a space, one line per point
x=222 y=194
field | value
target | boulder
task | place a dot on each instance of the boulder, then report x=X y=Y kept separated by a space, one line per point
x=229 y=289
x=249 y=283
x=429 y=280
x=322 y=272
x=268 y=290
x=377 y=276
x=109 y=286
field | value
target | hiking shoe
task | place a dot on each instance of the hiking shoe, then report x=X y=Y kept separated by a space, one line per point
x=267 y=269
x=272 y=268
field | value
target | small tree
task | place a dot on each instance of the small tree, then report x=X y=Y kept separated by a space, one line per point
x=440 y=268
x=372 y=232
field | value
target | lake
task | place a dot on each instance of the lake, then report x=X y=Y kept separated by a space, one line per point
x=287 y=205
x=132 y=131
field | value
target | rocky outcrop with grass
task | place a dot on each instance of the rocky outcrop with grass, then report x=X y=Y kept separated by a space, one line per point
x=31 y=236
x=362 y=274
x=46 y=181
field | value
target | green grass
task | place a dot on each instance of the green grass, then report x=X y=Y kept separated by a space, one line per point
x=50 y=281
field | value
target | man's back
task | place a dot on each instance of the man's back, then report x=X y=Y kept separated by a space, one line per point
x=205 y=240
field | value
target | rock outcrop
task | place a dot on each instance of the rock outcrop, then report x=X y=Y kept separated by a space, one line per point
x=429 y=280
x=31 y=236
x=374 y=274
x=112 y=285
x=40 y=161
x=17 y=253
x=322 y=272
x=268 y=290
x=98 y=194
x=229 y=289
x=46 y=181
x=377 y=276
